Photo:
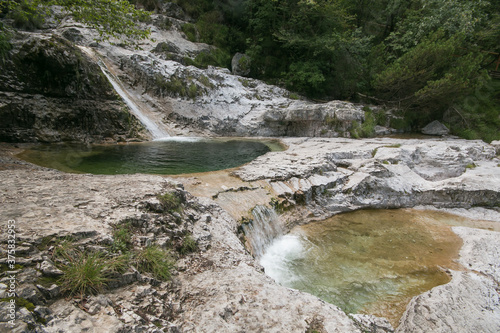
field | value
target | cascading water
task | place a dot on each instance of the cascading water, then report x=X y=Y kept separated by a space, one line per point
x=263 y=229
x=146 y=118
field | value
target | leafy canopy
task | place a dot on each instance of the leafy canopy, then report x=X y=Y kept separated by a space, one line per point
x=111 y=18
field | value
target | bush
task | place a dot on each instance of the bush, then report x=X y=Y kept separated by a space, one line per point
x=156 y=261
x=28 y=15
x=190 y=31
x=368 y=126
x=215 y=57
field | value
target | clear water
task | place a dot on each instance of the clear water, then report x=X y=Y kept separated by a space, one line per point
x=167 y=157
x=369 y=261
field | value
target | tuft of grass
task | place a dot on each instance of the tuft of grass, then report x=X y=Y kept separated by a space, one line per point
x=44 y=243
x=332 y=121
x=188 y=245
x=4 y=268
x=396 y=145
x=64 y=249
x=85 y=274
x=122 y=238
x=170 y=202
x=470 y=166
x=206 y=82
x=156 y=261
x=193 y=91
x=374 y=152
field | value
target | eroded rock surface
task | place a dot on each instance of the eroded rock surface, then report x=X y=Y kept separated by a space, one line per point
x=50 y=92
x=220 y=287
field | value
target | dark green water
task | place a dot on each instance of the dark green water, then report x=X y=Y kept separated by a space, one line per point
x=169 y=157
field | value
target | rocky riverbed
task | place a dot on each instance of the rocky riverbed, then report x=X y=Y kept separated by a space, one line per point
x=216 y=286
x=220 y=287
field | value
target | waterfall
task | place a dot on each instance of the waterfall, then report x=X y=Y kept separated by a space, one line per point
x=262 y=230
x=144 y=116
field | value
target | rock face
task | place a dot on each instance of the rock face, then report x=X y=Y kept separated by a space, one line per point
x=334 y=175
x=50 y=91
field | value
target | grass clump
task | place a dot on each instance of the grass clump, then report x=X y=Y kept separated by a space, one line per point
x=85 y=274
x=188 y=245
x=156 y=261
x=206 y=82
x=122 y=238
x=170 y=202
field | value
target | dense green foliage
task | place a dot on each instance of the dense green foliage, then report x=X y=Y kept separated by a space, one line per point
x=111 y=18
x=424 y=59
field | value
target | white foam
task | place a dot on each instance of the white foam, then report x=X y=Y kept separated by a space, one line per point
x=278 y=256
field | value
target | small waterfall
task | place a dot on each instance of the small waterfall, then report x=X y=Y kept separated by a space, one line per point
x=262 y=230
x=145 y=117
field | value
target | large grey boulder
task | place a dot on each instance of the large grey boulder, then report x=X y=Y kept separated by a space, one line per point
x=435 y=128
x=240 y=64
x=496 y=144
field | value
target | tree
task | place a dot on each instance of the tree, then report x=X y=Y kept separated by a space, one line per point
x=431 y=76
x=111 y=18
x=304 y=45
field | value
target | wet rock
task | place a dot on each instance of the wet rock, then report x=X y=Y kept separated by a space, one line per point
x=469 y=303
x=52 y=92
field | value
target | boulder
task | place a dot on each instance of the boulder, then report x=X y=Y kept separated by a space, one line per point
x=240 y=64
x=496 y=144
x=435 y=128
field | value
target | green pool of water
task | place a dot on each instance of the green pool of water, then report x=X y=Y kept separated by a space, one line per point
x=368 y=261
x=169 y=157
